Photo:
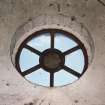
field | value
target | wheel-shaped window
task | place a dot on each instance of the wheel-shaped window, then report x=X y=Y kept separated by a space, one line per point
x=51 y=57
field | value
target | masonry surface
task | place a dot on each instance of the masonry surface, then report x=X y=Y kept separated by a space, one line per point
x=89 y=90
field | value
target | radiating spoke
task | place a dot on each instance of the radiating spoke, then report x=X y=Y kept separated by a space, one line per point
x=51 y=79
x=31 y=70
x=72 y=71
x=33 y=50
x=52 y=39
x=71 y=50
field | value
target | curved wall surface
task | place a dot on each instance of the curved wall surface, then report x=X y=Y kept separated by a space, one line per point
x=84 y=18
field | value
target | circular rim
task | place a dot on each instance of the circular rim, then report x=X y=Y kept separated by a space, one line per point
x=52 y=31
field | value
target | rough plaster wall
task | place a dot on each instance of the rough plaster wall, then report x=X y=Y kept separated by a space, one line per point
x=89 y=90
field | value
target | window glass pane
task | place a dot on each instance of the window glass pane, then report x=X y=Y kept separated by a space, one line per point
x=40 y=77
x=28 y=59
x=63 y=78
x=63 y=43
x=75 y=61
x=41 y=42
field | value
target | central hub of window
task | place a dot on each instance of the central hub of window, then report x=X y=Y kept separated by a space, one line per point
x=52 y=60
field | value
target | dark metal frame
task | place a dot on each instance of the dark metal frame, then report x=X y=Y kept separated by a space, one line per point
x=41 y=54
x=55 y=69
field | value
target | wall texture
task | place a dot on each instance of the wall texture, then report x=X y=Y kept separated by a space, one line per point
x=89 y=90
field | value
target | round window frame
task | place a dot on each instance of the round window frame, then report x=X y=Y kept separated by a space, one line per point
x=37 y=33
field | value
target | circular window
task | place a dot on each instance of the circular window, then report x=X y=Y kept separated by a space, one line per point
x=51 y=57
